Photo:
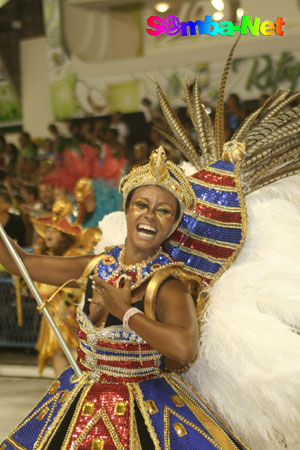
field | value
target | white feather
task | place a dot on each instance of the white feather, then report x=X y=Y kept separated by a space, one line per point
x=114 y=231
x=248 y=367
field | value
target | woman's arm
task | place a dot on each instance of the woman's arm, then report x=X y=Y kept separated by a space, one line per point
x=54 y=270
x=175 y=335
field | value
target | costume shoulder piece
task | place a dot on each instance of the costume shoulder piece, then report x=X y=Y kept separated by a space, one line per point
x=191 y=281
x=111 y=267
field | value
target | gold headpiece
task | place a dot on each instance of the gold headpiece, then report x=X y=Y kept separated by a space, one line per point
x=160 y=172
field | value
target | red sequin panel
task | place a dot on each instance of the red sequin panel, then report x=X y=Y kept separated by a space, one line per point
x=214 y=178
x=111 y=421
x=217 y=214
x=201 y=246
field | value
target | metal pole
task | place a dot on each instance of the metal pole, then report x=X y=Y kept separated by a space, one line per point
x=39 y=301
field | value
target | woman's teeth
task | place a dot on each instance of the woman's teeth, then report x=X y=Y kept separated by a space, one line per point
x=146 y=231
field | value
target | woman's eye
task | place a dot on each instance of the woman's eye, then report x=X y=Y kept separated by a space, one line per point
x=141 y=205
x=164 y=211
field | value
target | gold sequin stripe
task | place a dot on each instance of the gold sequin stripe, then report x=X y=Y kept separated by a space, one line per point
x=198 y=272
x=53 y=400
x=85 y=390
x=101 y=413
x=193 y=251
x=137 y=358
x=195 y=407
x=140 y=281
x=125 y=352
x=214 y=221
x=218 y=207
x=15 y=444
x=134 y=438
x=219 y=171
x=215 y=242
x=33 y=414
x=167 y=442
x=243 y=225
x=214 y=187
x=49 y=416
x=139 y=398
x=122 y=372
x=43 y=441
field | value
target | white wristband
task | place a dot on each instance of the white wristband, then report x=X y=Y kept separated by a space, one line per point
x=129 y=313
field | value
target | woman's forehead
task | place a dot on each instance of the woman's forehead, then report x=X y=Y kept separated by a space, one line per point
x=51 y=229
x=153 y=193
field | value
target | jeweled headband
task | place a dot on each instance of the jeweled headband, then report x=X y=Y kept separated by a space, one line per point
x=163 y=173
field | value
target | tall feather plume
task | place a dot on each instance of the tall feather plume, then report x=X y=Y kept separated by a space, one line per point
x=189 y=100
x=219 y=117
x=288 y=170
x=272 y=166
x=177 y=144
x=254 y=118
x=176 y=127
x=277 y=108
x=285 y=124
x=272 y=152
x=202 y=125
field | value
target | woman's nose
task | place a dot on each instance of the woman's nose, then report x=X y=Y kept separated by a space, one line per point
x=150 y=213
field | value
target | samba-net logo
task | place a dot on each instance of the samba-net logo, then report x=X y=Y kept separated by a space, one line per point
x=172 y=26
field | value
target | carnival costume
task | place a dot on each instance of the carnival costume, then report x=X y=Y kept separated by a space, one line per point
x=64 y=304
x=126 y=398
x=107 y=199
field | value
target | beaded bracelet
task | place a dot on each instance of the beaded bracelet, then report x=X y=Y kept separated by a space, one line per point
x=129 y=313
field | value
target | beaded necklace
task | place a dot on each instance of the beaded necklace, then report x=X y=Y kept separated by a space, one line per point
x=112 y=266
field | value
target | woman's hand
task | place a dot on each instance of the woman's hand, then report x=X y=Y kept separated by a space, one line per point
x=115 y=300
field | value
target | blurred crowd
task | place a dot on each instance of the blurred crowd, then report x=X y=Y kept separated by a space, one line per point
x=84 y=165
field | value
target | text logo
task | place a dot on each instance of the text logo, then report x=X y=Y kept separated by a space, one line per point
x=171 y=26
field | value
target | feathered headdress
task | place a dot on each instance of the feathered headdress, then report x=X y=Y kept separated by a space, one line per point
x=264 y=149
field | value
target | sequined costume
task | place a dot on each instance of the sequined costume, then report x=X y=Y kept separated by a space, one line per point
x=64 y=304
x=124 y=399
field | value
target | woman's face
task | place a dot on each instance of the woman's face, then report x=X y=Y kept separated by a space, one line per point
x=150 y=216
x=53 y=238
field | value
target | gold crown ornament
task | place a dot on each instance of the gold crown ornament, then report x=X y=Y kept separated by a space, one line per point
x=163 y=173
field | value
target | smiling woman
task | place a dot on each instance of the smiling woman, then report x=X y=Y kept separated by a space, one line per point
x=137 y=327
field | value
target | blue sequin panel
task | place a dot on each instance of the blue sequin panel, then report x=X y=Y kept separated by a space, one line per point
x=30 y=429
x=105 y=270
x=160 y=392
x=161 y=260
x=210 y=231
x=218 y=198
x=196 y=262
x=222 y=165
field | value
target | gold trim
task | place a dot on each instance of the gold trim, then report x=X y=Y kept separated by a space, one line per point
x=212 y=186
x=218 y=207
x=192 y=404
x=86 y=387
x=44 y=441
x=244 y=225
x=139 y=398
x=219 y=171
x=15 y=444
x=217 y=223
x=208 y=240
x=167 y=413
x=155 y=283
x=101 y=413
x=199 y=253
